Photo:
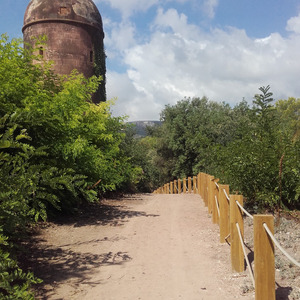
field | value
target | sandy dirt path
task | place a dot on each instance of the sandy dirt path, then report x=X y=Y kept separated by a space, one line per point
x=142 y=247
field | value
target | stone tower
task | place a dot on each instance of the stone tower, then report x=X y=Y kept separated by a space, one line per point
x=74 y=33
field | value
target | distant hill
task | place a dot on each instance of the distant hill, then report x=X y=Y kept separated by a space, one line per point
x=141 y=127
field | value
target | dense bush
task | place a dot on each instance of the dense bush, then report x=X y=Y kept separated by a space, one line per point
x=57 y=148
x=14 y=282
x=254 y=149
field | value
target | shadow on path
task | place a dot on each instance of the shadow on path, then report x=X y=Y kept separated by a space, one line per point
x=116 y=213
x=57 y=264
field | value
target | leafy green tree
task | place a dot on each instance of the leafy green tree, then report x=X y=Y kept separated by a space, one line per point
x=254 y=149
x=289 y=148
x=59 y=115
x=57 y=148
x=251 y=160
x=193 y=129
x=143 y=176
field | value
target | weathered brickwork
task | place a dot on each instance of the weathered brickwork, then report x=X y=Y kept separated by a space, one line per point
x=74 y=36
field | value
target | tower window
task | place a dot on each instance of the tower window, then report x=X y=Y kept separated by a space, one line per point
x=91 y=56
x=63 y=11
x=41 y=51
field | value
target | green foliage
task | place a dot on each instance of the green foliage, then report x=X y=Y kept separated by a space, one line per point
x=100 y=71
x=289 y=146
x=191 y=131
x=14 y=283
x=252 y=160
x=17 y=177
x=57 y=148
x=141 y=172
x=81 y=139
x=254 y=149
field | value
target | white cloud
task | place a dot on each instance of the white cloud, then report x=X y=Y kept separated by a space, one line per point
x=119 y=36
x=209 y=7
x=132 y=101
x=177 y=22
x=293 y=24
x=180 y=60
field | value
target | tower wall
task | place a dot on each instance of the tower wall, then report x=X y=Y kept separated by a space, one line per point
x=74 y=39
x=69 y=46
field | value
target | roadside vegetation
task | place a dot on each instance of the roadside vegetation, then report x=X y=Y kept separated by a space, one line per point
x=59 y=151
x=255 y=149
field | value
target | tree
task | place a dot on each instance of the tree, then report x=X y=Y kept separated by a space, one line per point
x=289 y=147
x=192 y=130
x=254 y=149
x=58 y=114
x=57 y=150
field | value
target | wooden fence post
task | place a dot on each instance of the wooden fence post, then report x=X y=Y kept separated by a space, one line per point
x=194 y=184
x=171 y=187
x=199 y=183
x=168 y=188
x=202 y=186
x=236 y=250
x=175 y=187
x=205 y=190
x=179 y=186
x=184 y=185
x=264 y=261
x=224 y=212
x=210 y=184
x=189 y=184
x=215 y=214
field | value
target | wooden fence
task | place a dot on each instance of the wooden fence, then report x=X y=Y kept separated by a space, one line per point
x=227 y=211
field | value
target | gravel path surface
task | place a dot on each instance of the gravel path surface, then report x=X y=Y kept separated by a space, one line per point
x=144 y=247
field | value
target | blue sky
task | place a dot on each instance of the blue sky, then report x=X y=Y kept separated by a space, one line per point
x=159 y=52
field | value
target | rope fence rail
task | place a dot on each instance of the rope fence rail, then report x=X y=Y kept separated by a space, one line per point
x=244 y=210
x=217 y=204
x=280 y=247
x=228 y=212
x=227 y=197
x=245 y=254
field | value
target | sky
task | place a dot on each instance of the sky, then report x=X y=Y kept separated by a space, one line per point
x=159 y=52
